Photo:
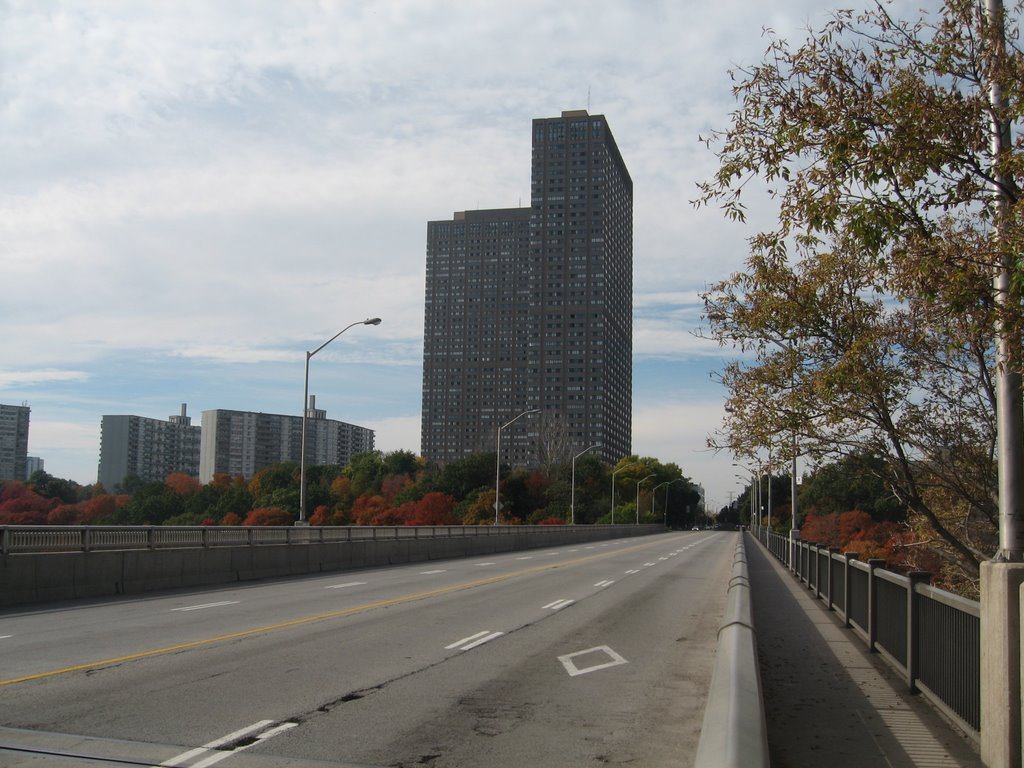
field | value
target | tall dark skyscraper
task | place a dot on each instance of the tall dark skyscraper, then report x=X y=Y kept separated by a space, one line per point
x=533 y=309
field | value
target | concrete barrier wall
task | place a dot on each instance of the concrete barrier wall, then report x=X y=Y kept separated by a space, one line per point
x=734 y=734
x=37 y=578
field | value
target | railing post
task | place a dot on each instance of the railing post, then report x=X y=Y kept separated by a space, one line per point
x=816 y=554
x=913 y=627
x=848 y=556
x=86 y=539
x=794 y=551
x=831 y=586
x=204 y=533
x=150 y=537
x=873 y=564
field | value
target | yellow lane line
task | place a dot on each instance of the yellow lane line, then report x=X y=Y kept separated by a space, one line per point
x=318 y=617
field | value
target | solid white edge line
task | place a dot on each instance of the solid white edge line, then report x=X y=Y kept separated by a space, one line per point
x=457 y=643
x=206 y=605
x=483 y=640
x=240 y=733
x=268 y=734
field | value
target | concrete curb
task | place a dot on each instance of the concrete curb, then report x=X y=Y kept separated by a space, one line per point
x=734 y=734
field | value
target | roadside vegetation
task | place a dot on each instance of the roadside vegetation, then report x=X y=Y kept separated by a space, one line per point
x=377 y=488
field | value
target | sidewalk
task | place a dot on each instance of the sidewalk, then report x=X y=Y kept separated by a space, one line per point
x=828 y=702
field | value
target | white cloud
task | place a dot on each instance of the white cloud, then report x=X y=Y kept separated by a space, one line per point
x=49 y=375
x=677 y=431
x=205 y=193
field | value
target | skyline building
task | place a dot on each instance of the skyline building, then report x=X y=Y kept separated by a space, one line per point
x=14 y=421
x=243 y=442
x=532 y=309
x=149 y=449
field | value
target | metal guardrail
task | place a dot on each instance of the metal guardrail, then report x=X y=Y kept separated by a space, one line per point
x=930 y=636
x=37 y=539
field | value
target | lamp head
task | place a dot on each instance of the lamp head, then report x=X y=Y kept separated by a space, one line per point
x=372 y=321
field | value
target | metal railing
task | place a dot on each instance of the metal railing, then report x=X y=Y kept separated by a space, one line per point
x=34 y=539
x=930 y=636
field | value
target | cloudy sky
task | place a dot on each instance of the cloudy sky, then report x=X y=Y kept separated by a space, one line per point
x=193 y=193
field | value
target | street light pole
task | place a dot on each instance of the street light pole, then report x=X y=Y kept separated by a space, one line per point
x=497 y=461
x=638 y=497
x=305 y=409
x=572 y=492
x=614 y=473
x=655 y=488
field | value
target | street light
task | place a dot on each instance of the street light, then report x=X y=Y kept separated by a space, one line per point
x=305 y=409
x=614 y=473
x=497 y=461
x=572 y=493
x=638 y=497
x=655 y=488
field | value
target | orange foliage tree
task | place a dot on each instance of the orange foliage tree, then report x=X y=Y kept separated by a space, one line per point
x=182 y=484
x=434 y=508
x=367 y=507
x=268 y=516
x=20 y=505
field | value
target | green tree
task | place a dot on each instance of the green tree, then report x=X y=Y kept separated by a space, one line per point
x=366 y=471
x=50 y=487
x=460 y=478
x=152 y=504
x=852 y=483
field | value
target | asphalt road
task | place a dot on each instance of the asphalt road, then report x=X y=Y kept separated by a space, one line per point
x=591 y=655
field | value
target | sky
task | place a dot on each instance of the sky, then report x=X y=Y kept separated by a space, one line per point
x=193 y=194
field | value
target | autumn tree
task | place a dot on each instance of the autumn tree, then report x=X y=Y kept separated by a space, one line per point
x=21 y=505
x=868 y=310
x=269 y=516
x=182 y=484
x=434 y=509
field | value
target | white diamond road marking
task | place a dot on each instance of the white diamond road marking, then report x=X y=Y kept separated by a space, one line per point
x=558 y=605
x=568 y=661
x=346 y=584
x=474 y=640
x=431 y=573
x=605 y=583
x=206 y=605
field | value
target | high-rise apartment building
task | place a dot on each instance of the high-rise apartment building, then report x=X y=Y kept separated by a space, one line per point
x=13 y=441
x=243 y=442
x=34 y=464
x=149 y=449
x=532 y=309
